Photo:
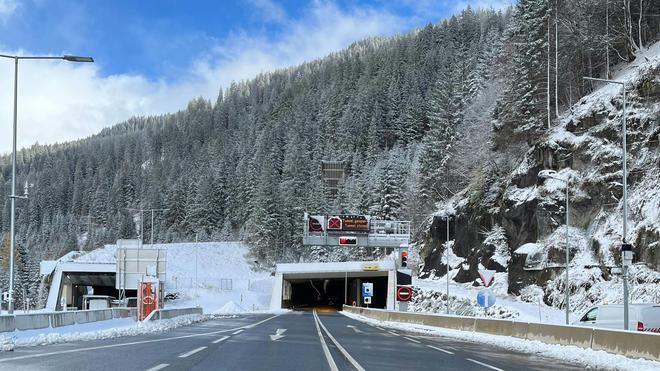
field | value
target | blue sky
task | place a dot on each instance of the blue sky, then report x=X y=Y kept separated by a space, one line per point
x=154 y=56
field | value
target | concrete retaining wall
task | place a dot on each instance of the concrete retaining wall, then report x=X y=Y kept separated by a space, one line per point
x=627 y=343
x=124 y=313
x=31 y=321
x=62 y=319
x=7 y=323
x=171 y=313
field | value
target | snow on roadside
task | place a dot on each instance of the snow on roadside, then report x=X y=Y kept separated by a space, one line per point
x=566 y=353
x=95 y=331
x=519 y=309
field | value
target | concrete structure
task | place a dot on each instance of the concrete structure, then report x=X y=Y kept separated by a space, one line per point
x=69 y=281
x=301 y=285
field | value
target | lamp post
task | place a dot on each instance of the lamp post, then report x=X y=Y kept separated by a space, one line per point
x=624 y=263
x=548 y=174
x=13 y=196
x=447 y=261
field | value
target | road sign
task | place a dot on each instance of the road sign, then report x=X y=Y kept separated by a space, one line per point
x=367 y=299
x=367 y=289
x=334 y=223
x=487 y=276
x=403 y=293
x=347 y=240
x=485 y=298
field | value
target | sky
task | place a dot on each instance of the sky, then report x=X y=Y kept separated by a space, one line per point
x=153 y=56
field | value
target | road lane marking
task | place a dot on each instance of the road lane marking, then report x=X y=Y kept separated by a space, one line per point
x=326 y=351
x=341 y=348
x=238 y=332
x=484 y=364
x=393 y=333
x=159 y=367
x=440 y=349
x=411 y=339
x=130 y=343
x=357 y=330
x=380 y=328
x=221 y=339
x=188 y=354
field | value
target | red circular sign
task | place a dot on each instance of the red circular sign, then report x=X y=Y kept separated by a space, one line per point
x=403 y=293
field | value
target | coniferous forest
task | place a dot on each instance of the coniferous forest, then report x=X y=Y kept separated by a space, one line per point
x=416 y=118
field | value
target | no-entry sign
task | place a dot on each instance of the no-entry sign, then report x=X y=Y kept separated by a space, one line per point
x=403 y=293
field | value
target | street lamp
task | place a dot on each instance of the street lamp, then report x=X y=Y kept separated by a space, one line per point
x=13 y=196
x=624 y=245
x=548 y=174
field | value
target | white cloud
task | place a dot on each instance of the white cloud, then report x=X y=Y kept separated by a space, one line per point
x=61 y=101
x=7 y=7
x=269 y=11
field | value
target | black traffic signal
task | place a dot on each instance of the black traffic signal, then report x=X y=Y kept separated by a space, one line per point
x=404 y=259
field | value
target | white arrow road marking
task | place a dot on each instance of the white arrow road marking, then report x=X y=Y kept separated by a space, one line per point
x=278 y=334
x=221 y=339
x=188 y=354
x=159 y=367
x=357 y=330
x=76 y=350
x=484 y=364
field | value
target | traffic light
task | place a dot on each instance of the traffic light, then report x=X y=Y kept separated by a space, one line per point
x=404 y=259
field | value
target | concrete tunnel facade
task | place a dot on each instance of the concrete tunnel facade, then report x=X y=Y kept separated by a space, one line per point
x=307 y=285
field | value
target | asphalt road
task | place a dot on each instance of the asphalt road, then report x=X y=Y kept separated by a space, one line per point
x=291 y=341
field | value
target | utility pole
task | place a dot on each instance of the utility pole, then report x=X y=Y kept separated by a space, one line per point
x=624 y=244
x=447 y=261
x=556 y=61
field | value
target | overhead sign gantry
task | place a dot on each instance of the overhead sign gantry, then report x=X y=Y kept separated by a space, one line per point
x=355 y=230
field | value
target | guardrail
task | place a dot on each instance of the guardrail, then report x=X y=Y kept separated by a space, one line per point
x=171 y=313
x=626 y=343
x=9 y=323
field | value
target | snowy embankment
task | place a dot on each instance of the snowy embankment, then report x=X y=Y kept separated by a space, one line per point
x=431 y=294
x=94 y=331
x=216 y=276
x=567 y=353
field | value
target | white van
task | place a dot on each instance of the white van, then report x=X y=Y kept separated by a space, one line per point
x=642 y=317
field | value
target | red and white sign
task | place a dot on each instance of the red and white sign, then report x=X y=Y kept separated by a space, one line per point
x=487 y=276
x=334 y=223
x=403 y=293
x=348 y=240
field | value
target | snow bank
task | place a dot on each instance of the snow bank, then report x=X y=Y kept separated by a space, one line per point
x=230 y=307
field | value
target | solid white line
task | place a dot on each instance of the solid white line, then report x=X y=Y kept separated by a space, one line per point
x=131 y=343
x=411 y=339
x=341 y=348
x=440 y=349
x=326 y=351
x=159 y=367
x=237 y=332
x=188 y=354
x=221 y=339
x=484 y=364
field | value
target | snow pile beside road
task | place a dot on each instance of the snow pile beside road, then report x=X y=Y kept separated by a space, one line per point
x=572 y=354
x=230 y=307
x=95 y=331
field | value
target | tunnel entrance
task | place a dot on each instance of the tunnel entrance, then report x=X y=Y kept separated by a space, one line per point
x=332 y=292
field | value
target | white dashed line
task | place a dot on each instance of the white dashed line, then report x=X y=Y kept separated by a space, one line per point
x=159 y=367
x=221 y=339
x=237 y=332
x=393 y=333
x=411 y=339
x=188 y=354
x=440 y=349
x=380 y=328
x=484 y=364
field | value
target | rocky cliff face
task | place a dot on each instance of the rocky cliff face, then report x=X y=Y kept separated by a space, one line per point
x=516 y=223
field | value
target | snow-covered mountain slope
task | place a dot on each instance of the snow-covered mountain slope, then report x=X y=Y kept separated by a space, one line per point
x=214 y=275
x=517 y=224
